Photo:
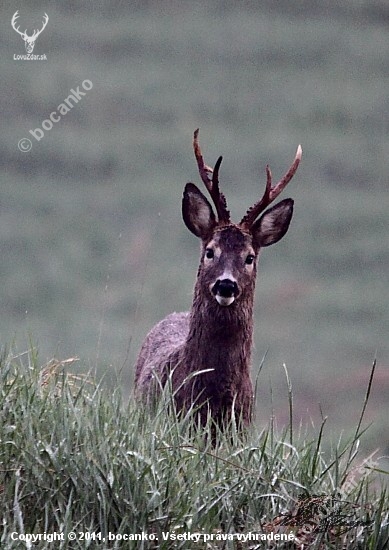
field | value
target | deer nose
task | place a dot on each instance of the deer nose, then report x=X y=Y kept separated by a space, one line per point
x=225 y=291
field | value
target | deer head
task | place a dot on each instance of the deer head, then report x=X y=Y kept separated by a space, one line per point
x=230 y=251
x=29 y=41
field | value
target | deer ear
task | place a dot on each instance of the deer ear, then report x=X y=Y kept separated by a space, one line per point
x=273 y=224
x=197 y=212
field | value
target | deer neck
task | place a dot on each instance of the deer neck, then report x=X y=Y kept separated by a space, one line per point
x=220 y=338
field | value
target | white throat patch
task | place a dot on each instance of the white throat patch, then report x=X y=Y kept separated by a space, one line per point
x=224 y=301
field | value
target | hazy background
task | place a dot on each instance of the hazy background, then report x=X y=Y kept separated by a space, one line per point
x=93 y=250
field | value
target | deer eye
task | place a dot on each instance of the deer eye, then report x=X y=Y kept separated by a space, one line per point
x=209 y=253
x=250 y=259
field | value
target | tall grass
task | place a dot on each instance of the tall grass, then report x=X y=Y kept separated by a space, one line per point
x=74 y=458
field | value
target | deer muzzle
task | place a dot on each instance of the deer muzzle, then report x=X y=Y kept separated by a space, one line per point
x=225 y=291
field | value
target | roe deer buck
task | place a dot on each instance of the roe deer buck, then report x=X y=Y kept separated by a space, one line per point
x=214 y=339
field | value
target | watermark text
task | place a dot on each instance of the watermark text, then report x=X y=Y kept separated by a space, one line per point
x=25 y=144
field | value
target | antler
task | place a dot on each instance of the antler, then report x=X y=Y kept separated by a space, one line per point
x=212 y=185
x=35 y=33
x=271 y=193
x=45 y=21
x=13 y=23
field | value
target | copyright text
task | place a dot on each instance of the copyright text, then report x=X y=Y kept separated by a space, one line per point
x=143 y=536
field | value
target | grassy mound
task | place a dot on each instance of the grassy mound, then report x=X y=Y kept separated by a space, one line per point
x=79 y=464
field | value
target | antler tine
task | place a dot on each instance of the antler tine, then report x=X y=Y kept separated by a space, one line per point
x=215 y=173
x=203 y=169
x=212 y=185
x=271 y=193
x=13 y=23
x=45 y=21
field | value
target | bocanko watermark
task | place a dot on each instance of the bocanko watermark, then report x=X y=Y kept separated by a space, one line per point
x=75 y=95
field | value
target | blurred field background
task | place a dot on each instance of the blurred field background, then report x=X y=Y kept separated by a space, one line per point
x=93 y=249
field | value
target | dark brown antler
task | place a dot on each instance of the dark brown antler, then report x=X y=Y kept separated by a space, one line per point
x=212 y=185
x=271 y=193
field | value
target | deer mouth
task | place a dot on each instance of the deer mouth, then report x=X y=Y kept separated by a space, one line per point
x=225 y=291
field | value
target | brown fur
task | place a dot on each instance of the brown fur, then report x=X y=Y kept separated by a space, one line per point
x=216 y=335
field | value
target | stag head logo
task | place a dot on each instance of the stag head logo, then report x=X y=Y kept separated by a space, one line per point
x=29 y=41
